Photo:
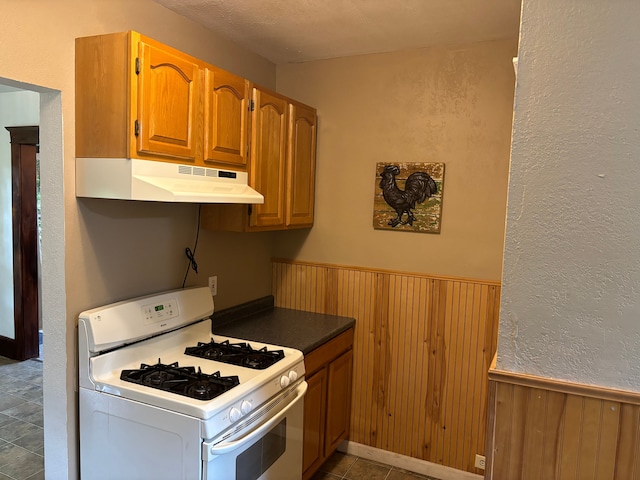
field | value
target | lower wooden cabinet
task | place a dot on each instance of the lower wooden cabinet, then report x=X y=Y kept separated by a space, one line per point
x=314 y=419
x=338 y=400
x=327 y=404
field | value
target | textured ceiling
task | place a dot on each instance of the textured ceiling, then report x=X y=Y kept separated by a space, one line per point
x=285 y=31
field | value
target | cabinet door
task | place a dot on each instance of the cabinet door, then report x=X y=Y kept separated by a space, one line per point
x=168 y=92
x=225 y=119
x=301 y=165
x=268 y=157
x=314 y=418
x=338 y=400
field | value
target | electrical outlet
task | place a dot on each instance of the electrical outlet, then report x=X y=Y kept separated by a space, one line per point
x=213 y=285
x=479 y=461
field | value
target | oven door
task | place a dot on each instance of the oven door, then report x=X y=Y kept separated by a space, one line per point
x=266 y=445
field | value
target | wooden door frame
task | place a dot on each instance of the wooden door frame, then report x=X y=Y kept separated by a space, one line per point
x=24 y=145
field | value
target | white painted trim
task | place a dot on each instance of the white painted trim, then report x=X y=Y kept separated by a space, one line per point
x=407 y=463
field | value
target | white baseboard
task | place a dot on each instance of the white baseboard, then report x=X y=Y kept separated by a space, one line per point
x=407 y=463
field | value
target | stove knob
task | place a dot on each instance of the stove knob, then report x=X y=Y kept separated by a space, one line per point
x=246 y=407
x=284 y=381
x=234 y=414
x=293 y=375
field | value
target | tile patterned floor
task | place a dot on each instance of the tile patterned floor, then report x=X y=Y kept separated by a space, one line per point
x=21 y=420
x=348 y=467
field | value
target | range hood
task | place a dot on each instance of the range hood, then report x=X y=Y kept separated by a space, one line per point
x=147 y=180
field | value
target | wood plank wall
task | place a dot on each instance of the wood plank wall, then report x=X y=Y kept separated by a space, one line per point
x=543 y=429
x=422 y=350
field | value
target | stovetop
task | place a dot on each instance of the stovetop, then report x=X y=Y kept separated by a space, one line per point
x=192 y=383
x=255 y=387
x=240 y=353
x=181 y=380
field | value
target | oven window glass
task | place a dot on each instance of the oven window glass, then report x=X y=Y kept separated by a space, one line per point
x=257 y=459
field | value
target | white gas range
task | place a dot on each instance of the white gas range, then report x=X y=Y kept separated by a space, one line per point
x=162 y=398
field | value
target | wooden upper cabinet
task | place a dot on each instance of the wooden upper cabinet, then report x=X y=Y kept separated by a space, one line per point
x=169 y=90
x=103 y=87
x=139 y=98
x=268 y=146
x=282 y=164
x=301 y=166
x=226 y=112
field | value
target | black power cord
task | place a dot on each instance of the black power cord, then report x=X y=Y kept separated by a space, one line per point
x=191 y=255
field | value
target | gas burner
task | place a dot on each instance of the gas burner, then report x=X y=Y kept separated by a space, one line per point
x=156 y=378
x=202 y=389
x=241 y=354
x=180 y=380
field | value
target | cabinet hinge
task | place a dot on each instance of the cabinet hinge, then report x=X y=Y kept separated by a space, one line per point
x=250 y=209
x=252 y=106
x=136 y=128
x=137 y=65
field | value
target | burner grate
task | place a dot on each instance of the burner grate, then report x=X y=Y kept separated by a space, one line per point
x=184 y=381
x=241 y=354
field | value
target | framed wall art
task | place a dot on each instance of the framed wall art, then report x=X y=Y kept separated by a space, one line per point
x=408 y=197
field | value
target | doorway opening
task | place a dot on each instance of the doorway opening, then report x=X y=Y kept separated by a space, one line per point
x=60 y=438
x=20 y=323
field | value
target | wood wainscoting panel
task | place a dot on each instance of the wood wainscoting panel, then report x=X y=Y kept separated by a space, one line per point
x=543 y=429
x=422 y=349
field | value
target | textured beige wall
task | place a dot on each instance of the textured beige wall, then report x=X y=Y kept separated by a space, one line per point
x=109 y=250
x=571 y=298
x=445 y=104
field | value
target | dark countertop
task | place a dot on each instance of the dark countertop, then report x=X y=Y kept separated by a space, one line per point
x=262 y=322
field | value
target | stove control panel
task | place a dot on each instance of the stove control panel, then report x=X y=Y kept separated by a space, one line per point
x=157 y=312
x=252 y=401
x=234 y=414
x=246 y=407
x=288 y=378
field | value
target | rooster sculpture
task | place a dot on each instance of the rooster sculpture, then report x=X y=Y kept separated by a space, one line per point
x=418 y=187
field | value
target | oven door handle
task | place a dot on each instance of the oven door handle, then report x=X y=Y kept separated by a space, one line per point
x=226 y=447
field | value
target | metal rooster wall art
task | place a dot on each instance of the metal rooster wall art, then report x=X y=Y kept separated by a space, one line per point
x=417 y=201
x=417 y=188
